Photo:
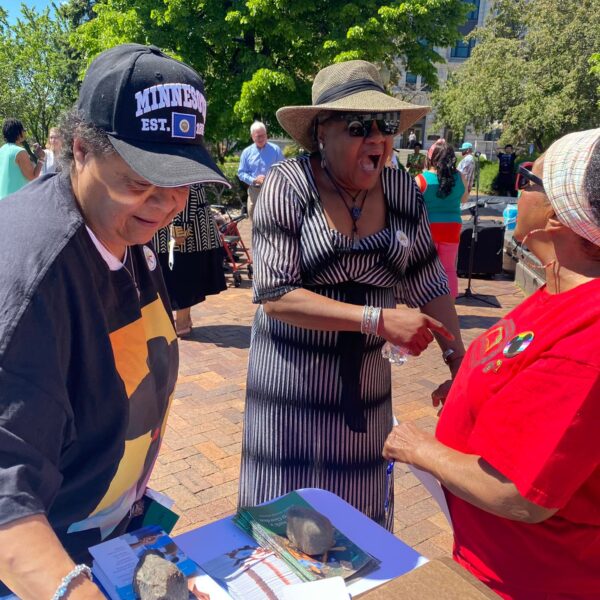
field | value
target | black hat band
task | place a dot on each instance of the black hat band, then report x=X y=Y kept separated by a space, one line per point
x=347 y=89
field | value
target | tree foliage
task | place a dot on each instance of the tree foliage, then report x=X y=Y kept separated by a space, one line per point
x=38 y=73
x=257 y=55
x=530 y=72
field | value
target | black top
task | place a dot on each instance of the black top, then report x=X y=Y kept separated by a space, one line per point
x=86 y=370
x=506 y=162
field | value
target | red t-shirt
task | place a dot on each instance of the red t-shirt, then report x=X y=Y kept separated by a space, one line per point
x=527 y=399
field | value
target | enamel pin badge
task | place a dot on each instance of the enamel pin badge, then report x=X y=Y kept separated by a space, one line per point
x=402 y=238
x=150 y=258
x=518 y=344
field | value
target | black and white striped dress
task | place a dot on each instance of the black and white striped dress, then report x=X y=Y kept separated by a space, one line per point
x=198 y=261
x=299 y=430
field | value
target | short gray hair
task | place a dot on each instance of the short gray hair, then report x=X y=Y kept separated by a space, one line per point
x=73 y=125
x=257 y=126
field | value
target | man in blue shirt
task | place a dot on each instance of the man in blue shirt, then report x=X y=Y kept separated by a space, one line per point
x=255 y=162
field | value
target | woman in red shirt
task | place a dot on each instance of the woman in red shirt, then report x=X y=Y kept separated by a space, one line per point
x=516 y=447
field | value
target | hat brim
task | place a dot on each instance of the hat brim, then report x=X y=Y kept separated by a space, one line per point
x=169 y=165
x=298 y=121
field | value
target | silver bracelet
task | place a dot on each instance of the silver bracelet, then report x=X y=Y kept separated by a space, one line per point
x=370 y=320
x=366 y=317
x=65 y=582
x=376 y=318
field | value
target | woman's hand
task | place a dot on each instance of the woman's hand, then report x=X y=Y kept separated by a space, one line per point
x=410 y=329
x=408 y=444
x=439 y=395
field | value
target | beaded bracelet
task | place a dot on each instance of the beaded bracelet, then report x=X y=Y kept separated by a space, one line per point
x=75 y=572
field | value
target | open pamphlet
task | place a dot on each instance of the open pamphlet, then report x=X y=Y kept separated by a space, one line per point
x=268 y=525
x=250 y=572
x=115 y=562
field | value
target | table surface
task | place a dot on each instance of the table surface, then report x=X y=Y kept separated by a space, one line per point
x=210 y=541
x=214 y=539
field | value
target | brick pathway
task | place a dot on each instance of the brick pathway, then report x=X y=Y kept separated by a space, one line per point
x=198 y=465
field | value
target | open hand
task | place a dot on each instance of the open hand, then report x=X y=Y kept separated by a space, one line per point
x=410 y=329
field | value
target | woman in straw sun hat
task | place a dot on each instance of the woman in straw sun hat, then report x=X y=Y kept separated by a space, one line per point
x=337 y=240
x=516 y=448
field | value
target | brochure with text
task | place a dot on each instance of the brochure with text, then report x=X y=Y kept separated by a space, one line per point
x=267 y=524
x=115 y=562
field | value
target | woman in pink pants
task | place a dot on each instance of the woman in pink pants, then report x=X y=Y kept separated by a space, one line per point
x=444 y=190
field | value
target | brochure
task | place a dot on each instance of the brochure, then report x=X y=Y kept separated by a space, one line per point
x=251 y=573
x=115 y=562
x=267 y=524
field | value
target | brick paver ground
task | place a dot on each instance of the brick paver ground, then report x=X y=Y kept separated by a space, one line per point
x=199 y=462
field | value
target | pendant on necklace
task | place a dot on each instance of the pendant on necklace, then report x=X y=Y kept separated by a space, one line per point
x=355 y=243
x=356 y=212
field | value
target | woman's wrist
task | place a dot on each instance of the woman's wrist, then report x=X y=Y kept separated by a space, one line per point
x=371 y=317
x=453 y=358
x=70 y=580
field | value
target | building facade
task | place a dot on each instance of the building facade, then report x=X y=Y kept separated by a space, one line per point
x=411 y=88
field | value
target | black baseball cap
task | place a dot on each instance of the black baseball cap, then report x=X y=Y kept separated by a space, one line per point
x=153 y=109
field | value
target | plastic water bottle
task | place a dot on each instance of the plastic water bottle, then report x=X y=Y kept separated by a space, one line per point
x=509 y=215
x=397 y=355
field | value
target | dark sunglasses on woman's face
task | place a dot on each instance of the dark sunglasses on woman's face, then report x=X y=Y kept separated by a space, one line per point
x=359 y=125
x=526 y=177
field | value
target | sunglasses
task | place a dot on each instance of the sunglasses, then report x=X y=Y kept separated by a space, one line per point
x=526 y=177
x=360 y=125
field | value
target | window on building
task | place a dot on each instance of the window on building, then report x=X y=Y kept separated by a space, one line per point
x=411 y=79
x=474 y=14
x=462 y=49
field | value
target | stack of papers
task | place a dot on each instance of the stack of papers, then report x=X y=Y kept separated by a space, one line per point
x=267 y=524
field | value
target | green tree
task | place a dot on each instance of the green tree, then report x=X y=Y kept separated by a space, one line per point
x=530 y=72
x=257 y=55
x=36 y=83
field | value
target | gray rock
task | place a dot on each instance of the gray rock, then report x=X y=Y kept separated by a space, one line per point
x=309 y=531
x=155 y=578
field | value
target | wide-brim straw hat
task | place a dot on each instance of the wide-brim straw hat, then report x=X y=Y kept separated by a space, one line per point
x=351 y=86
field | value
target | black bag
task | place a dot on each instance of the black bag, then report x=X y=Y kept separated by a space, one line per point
x=488 y=251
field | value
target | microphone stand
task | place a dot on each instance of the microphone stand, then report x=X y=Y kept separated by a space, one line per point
x=468 y=293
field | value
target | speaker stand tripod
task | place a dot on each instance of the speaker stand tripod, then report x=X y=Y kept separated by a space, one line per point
x=468 y=294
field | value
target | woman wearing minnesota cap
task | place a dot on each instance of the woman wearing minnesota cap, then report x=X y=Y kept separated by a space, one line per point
x=337 y=240
x=88 y=353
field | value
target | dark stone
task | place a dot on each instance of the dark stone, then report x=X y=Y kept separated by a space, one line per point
x=309 y=531
x=155 y=578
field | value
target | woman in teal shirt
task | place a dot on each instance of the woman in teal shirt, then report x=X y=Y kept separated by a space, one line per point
x=15 y=167
x=444 y=190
